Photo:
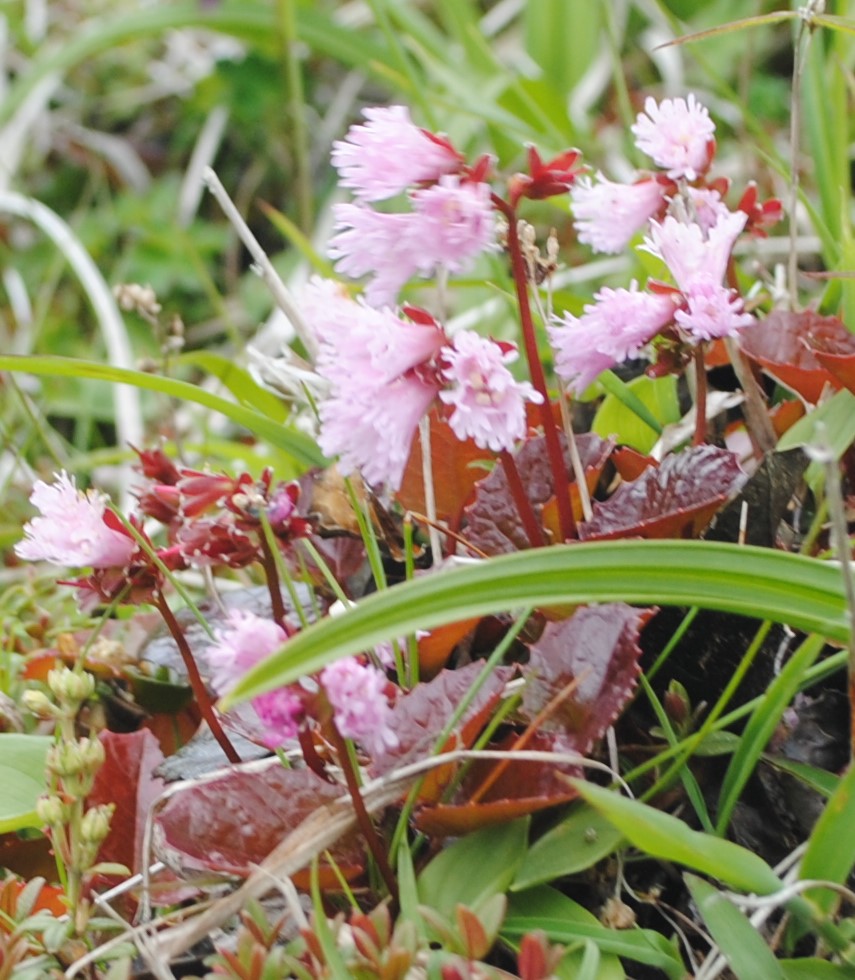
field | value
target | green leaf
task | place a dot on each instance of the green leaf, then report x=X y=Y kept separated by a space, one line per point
x=22 y=776
x=811 y=968
x=474 y=868
x=838 y=417
x=738 y=941
x=830 y=852
x=665 y=837
x=617 y=418
x=565 y=921
x=803 y=592
x=296 y=444
x=580 y=840
x=238 y=381
x=622 y=392
x=761 y=727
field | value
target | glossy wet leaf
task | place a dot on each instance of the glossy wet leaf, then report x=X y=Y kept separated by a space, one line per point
x=665 y=837
x=677 y=499
x=595 y=655
x=493 y=522
x=230 y=824
x=127 y=779
x=581 y=839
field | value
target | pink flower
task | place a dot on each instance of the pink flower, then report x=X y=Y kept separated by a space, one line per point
x=712 y=310
x=707 y=207
x=385 y=246
x=388 y=154
x=489 y=403
x=372 y=429
x=381 y=384
x=72 y=529
x=677 y=134
x=611 y=330
x=450 y=225
x=457 y=223
x=244 y=641
x=689 y=252
x=357 y=693
x=608 y=214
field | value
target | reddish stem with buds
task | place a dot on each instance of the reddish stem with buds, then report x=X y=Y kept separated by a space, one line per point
x=560 y=475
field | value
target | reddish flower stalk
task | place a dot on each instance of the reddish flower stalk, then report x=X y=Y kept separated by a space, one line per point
x=200 y=692
x=362 y=818
x=553 y=446
x=700 y=436
x=524 y=507
x=271 y=575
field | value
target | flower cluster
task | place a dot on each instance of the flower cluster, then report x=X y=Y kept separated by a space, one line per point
x=356 y=691
x=384 y=372
x=691 y=230
x=450 y=220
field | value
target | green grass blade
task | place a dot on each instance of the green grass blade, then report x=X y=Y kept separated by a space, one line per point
x=738 y=941
x=669 y=839
x=762 y=725
x=803 y=592
x=830 y=852
x=239 y=382
x=296 y=444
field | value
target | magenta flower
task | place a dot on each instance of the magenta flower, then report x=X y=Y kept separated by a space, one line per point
x=388 y=154
x=612 y=329
x=72 y=529
x=244 y=641
x=357 y=693
x=677 y=134
x=489 y=403
x=450 y=225
x=608 y=214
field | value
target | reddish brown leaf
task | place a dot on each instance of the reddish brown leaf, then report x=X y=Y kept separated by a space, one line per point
x=494 y=524
x=676 y=500
x=782 y=345
x=437 y=646
x=514 y=789
x=229 y=825
x=127 y=779
x=419 y=717
x=457 y=467
x=834 y=348
x=630 y=463
x=582 y=671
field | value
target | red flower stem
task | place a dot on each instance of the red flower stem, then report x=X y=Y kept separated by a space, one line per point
x=700 y=398
x=560 y=476
x=200 y=692
x=310 y=754
x=362 y=817
x=524 y=507
x=268 y=562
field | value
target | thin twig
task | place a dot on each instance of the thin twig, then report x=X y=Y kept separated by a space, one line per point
x=271 y=278
x=430 y=491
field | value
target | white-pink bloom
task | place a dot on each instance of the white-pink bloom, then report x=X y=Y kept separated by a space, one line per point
x=612 y=329
x=689 y=252
x=389 y=153
x=72 y=530
x=244 y=641
x=384 y=246
x=450 y=225
x=357 y=693
x=608 y=214
x=371 y=429
x=457 y=223
x=712 y=310
x=371 y=359
x=489 y=403
x=677 y=134
x=707 y=207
